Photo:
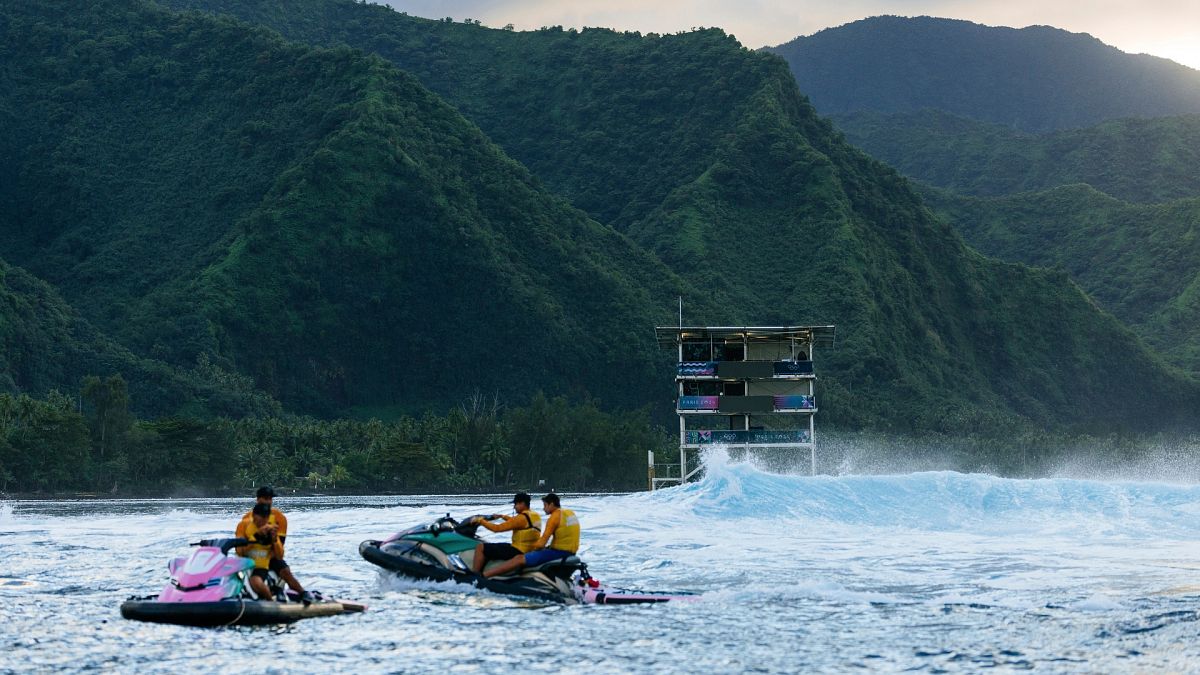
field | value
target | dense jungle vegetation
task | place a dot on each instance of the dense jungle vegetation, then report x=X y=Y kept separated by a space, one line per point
x=1037 y=78
x=314 y=219
x=92 y=443
x=1135 y=160
x=1140 y=261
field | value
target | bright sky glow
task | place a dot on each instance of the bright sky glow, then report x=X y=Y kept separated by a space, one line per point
x=1166 y=28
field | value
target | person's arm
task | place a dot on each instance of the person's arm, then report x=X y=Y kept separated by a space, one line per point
x=517 y=522
x=277 y=549
x=240 y=533
x=281 y=521
x=551 y=526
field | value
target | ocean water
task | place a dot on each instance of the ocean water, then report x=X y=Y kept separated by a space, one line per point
x=933 y=571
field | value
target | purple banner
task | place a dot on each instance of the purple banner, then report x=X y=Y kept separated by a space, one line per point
x=697 y=368
x=754 y=437
x=699 y=402
x=795 y=402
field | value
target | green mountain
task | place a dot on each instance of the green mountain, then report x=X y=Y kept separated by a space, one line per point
x=612 y=121
x=1138 y=160
x=1140 y=261
x=1036 y=78
x=45 y=345
x=313 y=218
x=707 y=154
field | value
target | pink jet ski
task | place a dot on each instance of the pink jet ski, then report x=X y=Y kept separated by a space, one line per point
x=209 y=588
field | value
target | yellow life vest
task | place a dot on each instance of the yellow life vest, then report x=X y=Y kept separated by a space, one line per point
x=259 y=553
x=524 y=538
x=566 y=536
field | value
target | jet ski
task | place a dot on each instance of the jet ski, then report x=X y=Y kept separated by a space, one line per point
x=210 y=588
x=444 y=550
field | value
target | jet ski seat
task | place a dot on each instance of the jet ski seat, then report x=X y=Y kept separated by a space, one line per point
x=561 y=568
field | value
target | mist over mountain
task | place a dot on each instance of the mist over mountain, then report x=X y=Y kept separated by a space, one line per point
x=1037 y=78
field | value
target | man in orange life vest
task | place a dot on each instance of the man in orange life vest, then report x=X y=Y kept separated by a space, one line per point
x=525 y=527
x=266 y=526
x=562 y=525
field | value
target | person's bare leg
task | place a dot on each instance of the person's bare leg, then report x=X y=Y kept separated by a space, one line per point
x=287 y=576
x=506 y=567
x=478 y=562
x=260 y=588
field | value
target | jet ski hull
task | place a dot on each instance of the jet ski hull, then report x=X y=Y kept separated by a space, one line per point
x=233 y=612
x=445 y=550
x=414 y=563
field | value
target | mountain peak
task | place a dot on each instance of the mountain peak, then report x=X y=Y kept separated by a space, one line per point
x=1036 y=78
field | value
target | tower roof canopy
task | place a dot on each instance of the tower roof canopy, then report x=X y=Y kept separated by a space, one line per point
x=818 y=336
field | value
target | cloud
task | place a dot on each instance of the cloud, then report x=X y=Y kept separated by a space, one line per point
x=1168 y=28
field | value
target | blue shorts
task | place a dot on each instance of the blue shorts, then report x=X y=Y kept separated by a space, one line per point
x=535 y=558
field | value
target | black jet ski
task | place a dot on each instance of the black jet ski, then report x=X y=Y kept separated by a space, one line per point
x=444 y=550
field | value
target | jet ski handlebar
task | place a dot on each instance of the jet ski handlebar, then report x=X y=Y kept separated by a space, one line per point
x=465 y=527
x=223 y=544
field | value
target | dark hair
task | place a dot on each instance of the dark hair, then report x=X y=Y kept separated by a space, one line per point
x=265 y=491
x=263 y=510
x=552 y=499
x=522 y=498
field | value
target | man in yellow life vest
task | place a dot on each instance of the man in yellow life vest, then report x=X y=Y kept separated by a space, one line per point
x=274 y=529
x=525 y=527
x=562 y=525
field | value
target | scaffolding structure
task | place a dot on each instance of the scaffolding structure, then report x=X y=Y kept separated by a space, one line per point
x=746 y=388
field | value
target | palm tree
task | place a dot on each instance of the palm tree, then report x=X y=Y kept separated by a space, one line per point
x=338 y=474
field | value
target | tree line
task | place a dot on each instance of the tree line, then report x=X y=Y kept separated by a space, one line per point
x=93 y=443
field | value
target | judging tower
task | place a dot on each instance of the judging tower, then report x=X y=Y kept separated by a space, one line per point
x=750 y=388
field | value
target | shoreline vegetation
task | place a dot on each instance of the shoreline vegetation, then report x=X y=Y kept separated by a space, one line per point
x=92 y=444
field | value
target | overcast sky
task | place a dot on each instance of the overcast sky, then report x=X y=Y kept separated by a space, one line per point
x=1168 y=28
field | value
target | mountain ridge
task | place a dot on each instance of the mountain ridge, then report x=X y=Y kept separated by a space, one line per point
x=1036 y=78
x=917 y=311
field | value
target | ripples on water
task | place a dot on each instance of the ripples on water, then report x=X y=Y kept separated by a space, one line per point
x=928 y=571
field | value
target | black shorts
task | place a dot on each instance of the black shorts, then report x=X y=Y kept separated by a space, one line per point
x=500 y=551
x=276 y=565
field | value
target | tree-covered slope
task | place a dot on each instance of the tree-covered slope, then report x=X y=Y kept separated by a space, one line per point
x=1140 y=261
x=1036 y=78
x=136 y=140
x=409 y=258
x=45 y=345
x=1138 y=160
x=314 y=218
x=612 y=121
x=773 y=214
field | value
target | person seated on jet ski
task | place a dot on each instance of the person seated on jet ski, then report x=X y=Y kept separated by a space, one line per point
x=266 y=550
x=562 y=525
x=525 y=527
x=278 y=521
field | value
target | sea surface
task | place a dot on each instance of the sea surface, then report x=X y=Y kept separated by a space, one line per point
x=934 y=571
